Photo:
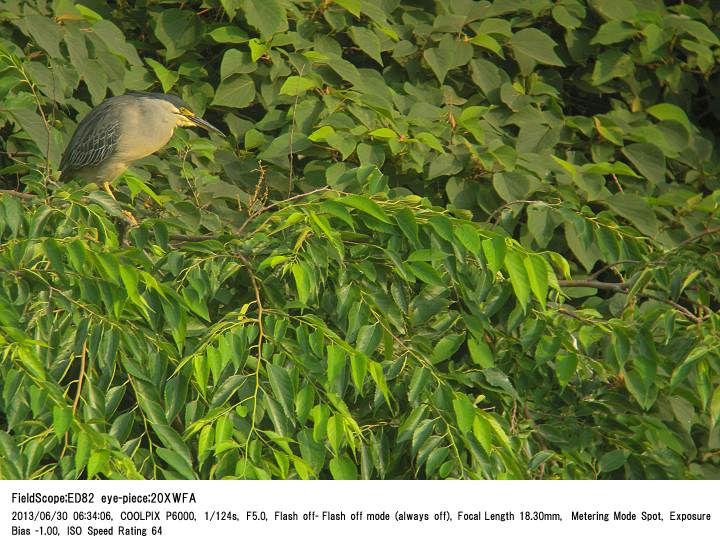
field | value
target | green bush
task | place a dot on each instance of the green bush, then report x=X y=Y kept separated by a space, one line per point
x=443 y=239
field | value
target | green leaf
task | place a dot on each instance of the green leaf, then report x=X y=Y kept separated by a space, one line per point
x=468 y=236
x=322 y=134
x=304 y=401
x=353 y=6
x=668 y=111
x=366 y=205
x=46 y=33
x=494 y=250
x=54 y=254
x=425 y=272
x=383 y=133
x=236 y=91
x=464 y=413
x=408 y=225
x=537 y=271
x=229 y=34
x=611 y=64
x=481 y=353
x=613 y=32
x=336 y=432
x=518 y=277
x=82 y=450
x=303 y=282
x=282 y=387
x=342 y=468
x=565 y=367
x=176 y=462
x=450 y=53
x=358 y=370
x=368 y=42
x=97 y=463
x=535 y=44
x=636 y=210
x=267 y=16
x=378 y=376
x=430 y=140
x=715 y=407
x=296 y=85
x=178 y=30
x=13 y=212
x=613 y=460
x=483 y=432
x=489 y=43
x=648 y=159
x=62 y=419
x=446 y=348
x=436 y=457
x=335 y=363
x=258 y=48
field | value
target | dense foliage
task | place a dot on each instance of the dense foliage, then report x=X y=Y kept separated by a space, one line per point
x=458 y=239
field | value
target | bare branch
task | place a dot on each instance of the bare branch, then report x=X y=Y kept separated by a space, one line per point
x=613 y=286
x=18 y=194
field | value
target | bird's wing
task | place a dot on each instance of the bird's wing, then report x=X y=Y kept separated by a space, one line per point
x=95 y=138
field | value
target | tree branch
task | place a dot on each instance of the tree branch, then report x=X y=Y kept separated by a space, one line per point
x=623 y=288
x=700 y=236
x=18 y=194
x=612 y=286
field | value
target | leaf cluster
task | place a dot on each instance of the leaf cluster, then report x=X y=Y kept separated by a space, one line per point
x=443 y=240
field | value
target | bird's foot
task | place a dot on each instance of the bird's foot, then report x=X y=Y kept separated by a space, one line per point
x=131 y=218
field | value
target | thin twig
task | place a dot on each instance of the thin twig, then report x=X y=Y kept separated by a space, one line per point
x=193 y=238
x=76 y=400
x=213 y=236
x=596 y=274
x=572 y=314
x=81 y=377
x=279 y=202
x=261 y=336
x=514 y=202
x=623 y=287
x=700 y=236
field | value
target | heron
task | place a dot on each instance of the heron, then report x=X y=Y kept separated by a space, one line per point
x=123 y=129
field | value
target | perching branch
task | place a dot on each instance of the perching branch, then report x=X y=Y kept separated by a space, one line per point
x=18 y=194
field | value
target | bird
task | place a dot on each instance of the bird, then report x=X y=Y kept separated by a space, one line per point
x=123 y=129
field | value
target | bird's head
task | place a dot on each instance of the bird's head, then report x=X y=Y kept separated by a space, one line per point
x=184 y=116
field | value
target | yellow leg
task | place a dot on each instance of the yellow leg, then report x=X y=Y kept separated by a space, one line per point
x=106 y=186
x=131 y=217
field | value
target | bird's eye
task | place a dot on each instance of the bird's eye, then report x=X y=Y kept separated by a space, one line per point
x=186 y=112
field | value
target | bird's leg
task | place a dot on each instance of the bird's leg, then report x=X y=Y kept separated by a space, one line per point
x=131 y=217
x=106 y=186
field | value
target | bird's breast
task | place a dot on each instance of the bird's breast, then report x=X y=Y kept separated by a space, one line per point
x=143 y=134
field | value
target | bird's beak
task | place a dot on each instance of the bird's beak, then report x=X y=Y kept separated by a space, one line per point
x=203 y=124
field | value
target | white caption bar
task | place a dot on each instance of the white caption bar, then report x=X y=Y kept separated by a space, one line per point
x=319 y=514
